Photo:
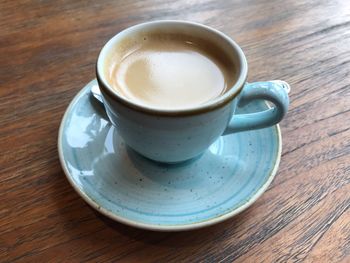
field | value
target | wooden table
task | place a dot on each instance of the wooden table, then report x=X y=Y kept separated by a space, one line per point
x=48 y=51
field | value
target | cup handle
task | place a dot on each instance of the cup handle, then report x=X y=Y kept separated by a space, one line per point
x=275 y=91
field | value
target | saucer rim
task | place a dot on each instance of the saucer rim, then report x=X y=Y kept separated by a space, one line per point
x=159 y=227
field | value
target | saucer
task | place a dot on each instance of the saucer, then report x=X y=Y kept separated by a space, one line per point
x=133 y=190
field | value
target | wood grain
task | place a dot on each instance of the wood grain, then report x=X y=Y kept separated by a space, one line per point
x=48 y=51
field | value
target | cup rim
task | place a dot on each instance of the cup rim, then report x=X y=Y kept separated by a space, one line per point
x=208 y=106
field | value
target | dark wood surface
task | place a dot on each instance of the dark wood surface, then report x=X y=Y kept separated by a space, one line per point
x=48 y=51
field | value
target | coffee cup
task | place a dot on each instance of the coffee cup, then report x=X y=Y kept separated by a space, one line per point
x=171 y=89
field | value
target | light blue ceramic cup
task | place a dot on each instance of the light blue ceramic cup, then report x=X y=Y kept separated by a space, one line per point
x=177 y=135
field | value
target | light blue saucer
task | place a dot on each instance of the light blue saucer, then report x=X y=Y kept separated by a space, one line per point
x=133 y=190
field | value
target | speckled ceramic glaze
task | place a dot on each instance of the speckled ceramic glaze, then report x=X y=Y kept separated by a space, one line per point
x=171 y=136
x=121 y=184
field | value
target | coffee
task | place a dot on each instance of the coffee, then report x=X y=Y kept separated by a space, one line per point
x=171 y=71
